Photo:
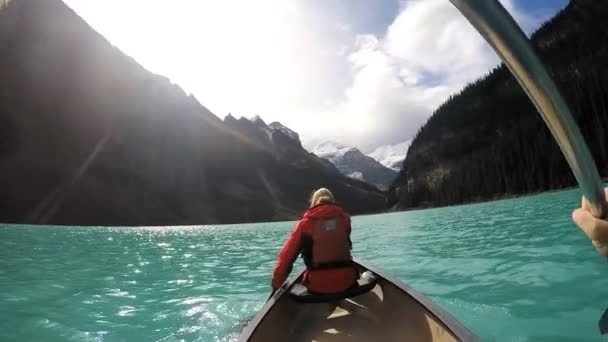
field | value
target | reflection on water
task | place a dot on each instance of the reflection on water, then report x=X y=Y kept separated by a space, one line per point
x=513 y=270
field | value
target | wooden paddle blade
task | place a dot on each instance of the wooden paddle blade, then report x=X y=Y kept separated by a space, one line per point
x=271 y=294
x=603 y=323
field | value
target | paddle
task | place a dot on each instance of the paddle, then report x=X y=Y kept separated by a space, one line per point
x=243 y=323
x=604 y=323
x=271 y=294
x=499 y=29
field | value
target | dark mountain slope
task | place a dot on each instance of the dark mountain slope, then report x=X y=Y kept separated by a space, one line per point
x=87 y=136
x=488 y=141
x=297 y=170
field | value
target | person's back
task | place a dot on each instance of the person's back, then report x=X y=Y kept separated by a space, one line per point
x=323 y=238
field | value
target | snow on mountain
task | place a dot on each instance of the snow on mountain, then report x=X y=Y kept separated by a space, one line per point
x=354 y=164
x=391 y=156
x=356 y=175
x=331 y=150
x=347 y=159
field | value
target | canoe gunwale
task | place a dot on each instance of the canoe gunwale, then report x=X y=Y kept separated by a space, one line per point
x=459 y=330
x=259 y=317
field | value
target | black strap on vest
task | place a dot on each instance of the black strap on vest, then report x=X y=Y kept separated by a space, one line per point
x=331 y=265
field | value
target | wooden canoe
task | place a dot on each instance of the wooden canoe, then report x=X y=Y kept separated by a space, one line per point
x=384 y=309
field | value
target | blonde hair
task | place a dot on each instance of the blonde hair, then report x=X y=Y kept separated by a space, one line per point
x=321 y=196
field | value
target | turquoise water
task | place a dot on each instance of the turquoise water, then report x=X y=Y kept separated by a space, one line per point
x=512 y=270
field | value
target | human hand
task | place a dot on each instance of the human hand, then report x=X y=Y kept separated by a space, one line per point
x=596 y=229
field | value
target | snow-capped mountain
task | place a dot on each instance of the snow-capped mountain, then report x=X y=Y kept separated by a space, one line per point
x=391 y=156
x=354 y=164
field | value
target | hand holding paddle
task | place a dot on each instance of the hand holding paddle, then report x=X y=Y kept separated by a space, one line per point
x=595 y=228
x=501 y=31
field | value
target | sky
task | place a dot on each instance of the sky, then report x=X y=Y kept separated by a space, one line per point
x=365 y=73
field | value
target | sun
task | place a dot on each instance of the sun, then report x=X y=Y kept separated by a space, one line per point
x=235 y=55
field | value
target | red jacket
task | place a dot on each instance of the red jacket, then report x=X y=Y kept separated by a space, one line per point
x=325 y=280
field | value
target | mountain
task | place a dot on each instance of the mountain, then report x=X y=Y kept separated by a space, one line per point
x=89 y=137
x=354 y=164
x=489 y=141
x=391 y=156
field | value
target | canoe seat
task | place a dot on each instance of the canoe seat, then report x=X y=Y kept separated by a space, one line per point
x=366 y=283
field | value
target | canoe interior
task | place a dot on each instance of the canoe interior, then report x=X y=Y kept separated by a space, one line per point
x=387 y=313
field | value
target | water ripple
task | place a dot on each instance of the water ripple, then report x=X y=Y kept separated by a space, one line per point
x=514 y=270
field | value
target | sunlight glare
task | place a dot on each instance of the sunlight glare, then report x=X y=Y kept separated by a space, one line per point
x=220 y=50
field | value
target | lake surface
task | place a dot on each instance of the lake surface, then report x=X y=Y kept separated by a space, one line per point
x=512 y=270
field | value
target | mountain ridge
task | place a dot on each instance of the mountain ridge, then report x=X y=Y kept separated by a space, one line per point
x=354 y=164
x=90 y=137
x=392 y=155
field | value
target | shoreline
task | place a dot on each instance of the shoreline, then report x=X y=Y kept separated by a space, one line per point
x=284 y=220
x=394 y=209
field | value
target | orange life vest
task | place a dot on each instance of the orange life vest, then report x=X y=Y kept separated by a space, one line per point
x=329 y=244
x=322 y=236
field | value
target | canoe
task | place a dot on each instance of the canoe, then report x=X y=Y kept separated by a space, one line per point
x=379 y=308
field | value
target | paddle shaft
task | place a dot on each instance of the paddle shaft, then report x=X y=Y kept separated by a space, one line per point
x=508 y=40
x=271 y=294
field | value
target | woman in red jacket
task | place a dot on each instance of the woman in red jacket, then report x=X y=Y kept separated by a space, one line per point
x=323 y=238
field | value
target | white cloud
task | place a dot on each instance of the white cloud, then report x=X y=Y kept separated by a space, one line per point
x=265 y=57
x=302 y=62
x=429 y=52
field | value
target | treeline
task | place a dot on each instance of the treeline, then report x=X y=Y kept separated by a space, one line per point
x=489 y=141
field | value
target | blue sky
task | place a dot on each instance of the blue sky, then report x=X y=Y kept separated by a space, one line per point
x=360 y=72
x=541 y=7
x=374 y=16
